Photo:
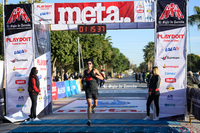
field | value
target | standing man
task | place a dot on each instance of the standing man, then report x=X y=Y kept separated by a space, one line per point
x=91 y=77
x=139 y=76
x=66 y=76
x=143 y=76
x=147 y=78
x=136 y=76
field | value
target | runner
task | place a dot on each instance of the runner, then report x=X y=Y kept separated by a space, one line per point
x=91 y=77
x=102 y=82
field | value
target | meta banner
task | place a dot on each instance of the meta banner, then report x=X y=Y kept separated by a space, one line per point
x=171 y=56
x=113 y=13
x=171 y=13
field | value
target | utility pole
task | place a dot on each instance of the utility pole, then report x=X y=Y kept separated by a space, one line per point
x=79 y=63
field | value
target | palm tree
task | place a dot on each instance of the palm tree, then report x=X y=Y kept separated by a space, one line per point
x=149 y=54
x=195 y=18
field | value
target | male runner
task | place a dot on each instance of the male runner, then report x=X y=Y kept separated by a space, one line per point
x=91 y=77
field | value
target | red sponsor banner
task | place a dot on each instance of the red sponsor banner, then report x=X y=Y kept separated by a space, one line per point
x=94 y=12
x=20 y=82
x=170 y=80
x=54 y=91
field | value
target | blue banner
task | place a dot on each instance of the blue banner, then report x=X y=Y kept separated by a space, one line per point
x=67 y=89
x=61 y=89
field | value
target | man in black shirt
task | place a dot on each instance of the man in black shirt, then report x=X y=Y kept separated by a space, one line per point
x=91 y=77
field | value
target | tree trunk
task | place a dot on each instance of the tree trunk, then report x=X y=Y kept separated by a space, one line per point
x=53 y=68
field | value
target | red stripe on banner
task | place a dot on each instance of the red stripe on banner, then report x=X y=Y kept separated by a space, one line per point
x=94 y=12
x=60 y=110
x=82 y=110
x=71 y=111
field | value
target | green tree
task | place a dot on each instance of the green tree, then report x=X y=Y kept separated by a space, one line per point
x=149 y=52
x=194 y=63
x=30 y=1
x=195 y=18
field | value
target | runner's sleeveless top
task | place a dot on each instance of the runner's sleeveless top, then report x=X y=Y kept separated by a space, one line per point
x=91 y=83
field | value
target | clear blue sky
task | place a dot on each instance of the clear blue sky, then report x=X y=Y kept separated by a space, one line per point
x=131 y=42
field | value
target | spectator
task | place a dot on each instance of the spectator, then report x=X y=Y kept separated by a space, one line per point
x=198 y=77
x=143 y=76
x=57 y=78
x=191 y=80
x=139 y=77
x=136 y=76
x=66 y=76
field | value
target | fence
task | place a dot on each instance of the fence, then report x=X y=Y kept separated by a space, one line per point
x=193 y=102
x=65 y=88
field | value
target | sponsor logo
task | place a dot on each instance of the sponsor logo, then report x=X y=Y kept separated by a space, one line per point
x=170 y=88
x=40 y=98
x=139 y=17
x=98 y=14
x=20 y=51
x=21 y=105
x=43 y=69
x=149 y=11
x=171 y=10
x=170 y=73
x=167 y=57
x=149 y=17
x=46 y=97
x=171 y=49
x=170 y=66
x=45 y=13
x=48 y=87
x=62 y=90
x=20 y=89
x=18 y=60
x=170 y=80
x=20 y=82
x=170 y=105
x=140 y=8
x=14 y=69
x=18 y=14
x=19 y=39
x=42 y=62
x=19 y=75
x=40 y=77
x=44 y=7
x=170 y=37
x=170 y=97
x=21 y=98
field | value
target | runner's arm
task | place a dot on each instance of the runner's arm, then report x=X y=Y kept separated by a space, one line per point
x=98 y=75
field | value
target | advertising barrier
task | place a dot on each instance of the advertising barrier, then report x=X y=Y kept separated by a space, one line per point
x=54 y=91
x=61 y=89
x=67 y=89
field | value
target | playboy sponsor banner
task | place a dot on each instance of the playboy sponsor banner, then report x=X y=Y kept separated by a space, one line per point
x=171 y=56
x=144 y=11
x=116 y=15
x=171 y=13
x=18 y=57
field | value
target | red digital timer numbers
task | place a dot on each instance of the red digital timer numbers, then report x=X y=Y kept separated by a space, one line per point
x=91 y=29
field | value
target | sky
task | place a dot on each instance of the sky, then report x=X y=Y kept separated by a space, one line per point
x=132 y=41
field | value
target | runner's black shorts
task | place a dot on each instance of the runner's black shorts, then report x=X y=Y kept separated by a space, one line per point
x=93 y=94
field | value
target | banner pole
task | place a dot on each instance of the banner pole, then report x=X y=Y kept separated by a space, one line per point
x=155 y=43
x=186 y=112
x=5 y=64
x=33 y=41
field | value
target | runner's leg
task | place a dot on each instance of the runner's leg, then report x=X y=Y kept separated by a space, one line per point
x=89 y=102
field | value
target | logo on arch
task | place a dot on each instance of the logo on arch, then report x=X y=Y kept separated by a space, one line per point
x=172 y=10
x=18 y=14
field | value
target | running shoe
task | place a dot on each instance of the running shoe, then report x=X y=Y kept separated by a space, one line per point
x=88 y=123
x=146 y=118
x=156 y=118
x=93 y=111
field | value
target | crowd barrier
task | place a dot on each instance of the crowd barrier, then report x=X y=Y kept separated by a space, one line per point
x=193 y=102
x=65 y=88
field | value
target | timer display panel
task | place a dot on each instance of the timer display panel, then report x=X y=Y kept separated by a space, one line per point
x=92 y=29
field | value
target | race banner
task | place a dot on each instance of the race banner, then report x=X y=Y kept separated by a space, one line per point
x=43 y=64
x=18 y=57
x=116 y=15
x=171 y=56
